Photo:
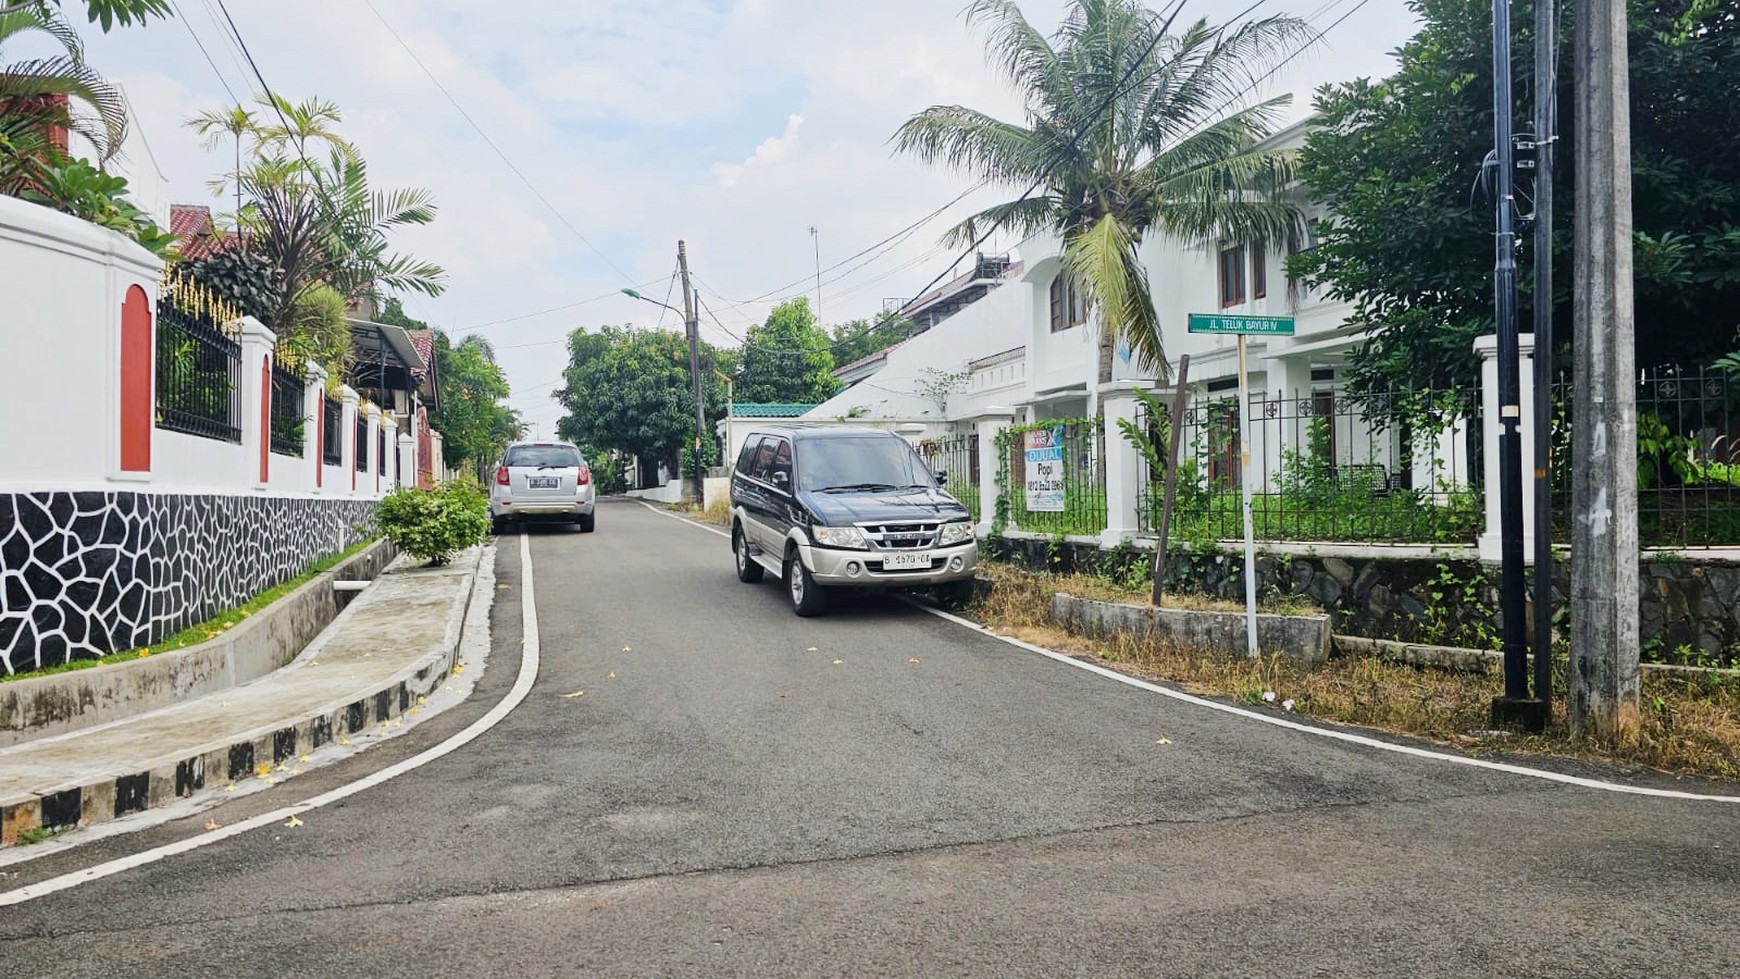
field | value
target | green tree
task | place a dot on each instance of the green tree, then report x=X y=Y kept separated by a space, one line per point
x=1127 y=132
x=786 y=359
x=1394 y=160
x=43 y=92
x=474 y=423
x=860 y=338
x=628 y=391
x=108 y=13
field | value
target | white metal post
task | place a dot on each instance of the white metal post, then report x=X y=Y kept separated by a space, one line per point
x=1245 y=481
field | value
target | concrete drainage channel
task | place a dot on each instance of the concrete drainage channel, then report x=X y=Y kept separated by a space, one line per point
x=379 y=658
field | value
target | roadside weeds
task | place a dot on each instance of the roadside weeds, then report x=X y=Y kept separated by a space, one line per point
x=1690 y=724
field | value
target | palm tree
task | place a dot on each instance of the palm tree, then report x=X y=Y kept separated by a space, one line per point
x=214 y=124
x=1129 y=129
x=41 y=94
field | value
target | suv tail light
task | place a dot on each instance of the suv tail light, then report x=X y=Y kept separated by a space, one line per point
x=501 y=475
x=584 y=477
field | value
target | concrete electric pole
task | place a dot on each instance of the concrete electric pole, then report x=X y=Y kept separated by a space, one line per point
x=692 y=324
x=1546 y=143
x=1604 y=577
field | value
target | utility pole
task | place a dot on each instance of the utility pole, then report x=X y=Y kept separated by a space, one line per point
x=1546 y=139
x=816 y=239
x=692 y=324
x=1514 y=707
x=1604 y=581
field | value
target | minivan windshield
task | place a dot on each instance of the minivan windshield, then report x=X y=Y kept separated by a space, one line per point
x=843 y=465
x=543 y=457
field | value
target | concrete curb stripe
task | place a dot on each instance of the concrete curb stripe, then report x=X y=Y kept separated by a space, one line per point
x=1332 y=734
x=522 y=686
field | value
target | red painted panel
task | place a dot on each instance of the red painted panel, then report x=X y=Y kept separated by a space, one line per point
x=265 y=418
x=137 y=372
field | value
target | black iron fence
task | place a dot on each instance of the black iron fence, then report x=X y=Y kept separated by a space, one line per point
x=381 y=450
x=289 y=422
x=1053 y=477
x=1688 y=459
x=1396 y=467
x=199 y=363
x=362 y=442
x=331 y=432
x=955 y=460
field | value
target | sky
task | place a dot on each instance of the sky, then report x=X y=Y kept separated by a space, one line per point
x=734 y=125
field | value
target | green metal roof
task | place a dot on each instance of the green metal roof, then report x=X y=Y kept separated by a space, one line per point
x=741 y=410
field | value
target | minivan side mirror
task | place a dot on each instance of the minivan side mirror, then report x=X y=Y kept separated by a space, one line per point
x=942 y=476
x=782 y=480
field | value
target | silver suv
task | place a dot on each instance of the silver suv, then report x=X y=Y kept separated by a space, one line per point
x=543 y=481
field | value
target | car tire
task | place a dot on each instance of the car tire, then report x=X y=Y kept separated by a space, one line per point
x=749 y=570
x=588 y=524
x=808 y=599
x=497 y=526
x=956 y=594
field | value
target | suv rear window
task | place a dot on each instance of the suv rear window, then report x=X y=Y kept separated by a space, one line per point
x=543 y=456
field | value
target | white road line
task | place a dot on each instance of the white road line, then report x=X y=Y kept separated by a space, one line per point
x=522 y=686
x=1330 y=733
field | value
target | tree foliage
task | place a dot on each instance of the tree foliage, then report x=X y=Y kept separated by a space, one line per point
x=1128 y=131
x=786 y=359
x=858 y=339
x=629 y=391
x=474 y=423
x=1394 y=162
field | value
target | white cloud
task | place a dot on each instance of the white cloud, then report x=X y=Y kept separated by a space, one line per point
x=771 y=152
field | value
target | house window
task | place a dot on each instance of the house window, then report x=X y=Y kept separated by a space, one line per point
x=1068 y=305
x=1259 y=269
x=1232 y=276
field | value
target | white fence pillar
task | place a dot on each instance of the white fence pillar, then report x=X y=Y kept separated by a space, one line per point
x=372 y=452
x=313 y=421
x=1492 y=416
x=1123 y=467
x=389 y=469
x=988 y=428
x=257 y=342
x=347 y=432
x=408 y=455
x=437 y=459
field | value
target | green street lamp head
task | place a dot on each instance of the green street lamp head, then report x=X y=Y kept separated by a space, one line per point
x=632 y=293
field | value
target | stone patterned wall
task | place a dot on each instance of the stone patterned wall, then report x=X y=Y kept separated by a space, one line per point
x=85 y=574
x=1683 y=601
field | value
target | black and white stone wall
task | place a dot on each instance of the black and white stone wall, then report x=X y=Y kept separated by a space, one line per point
x=84 y=574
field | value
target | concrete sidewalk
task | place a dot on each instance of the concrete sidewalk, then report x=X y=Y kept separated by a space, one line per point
x=391 y=646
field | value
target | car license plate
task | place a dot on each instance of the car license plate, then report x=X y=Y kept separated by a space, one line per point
x=919 y=561
x=542 y=482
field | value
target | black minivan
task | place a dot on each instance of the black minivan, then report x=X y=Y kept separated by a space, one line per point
x=834 y=506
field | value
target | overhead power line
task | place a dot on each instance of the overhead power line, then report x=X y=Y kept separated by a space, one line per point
x=225 y=82
x=492 y=145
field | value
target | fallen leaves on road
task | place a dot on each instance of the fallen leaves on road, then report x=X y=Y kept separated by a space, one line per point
x=571 y=696
x=1164 y=741
x=262 y=770
x=421 y=700
x=612 y=676
x=223 y=703
x=812 y=649
x=212 y=824
x=344 y=742
x=628 y=649
x=303 y=759
x=913 y=661
x=838 y=662
x=292 y=823
x=458 y=668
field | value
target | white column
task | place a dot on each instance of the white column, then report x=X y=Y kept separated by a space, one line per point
x=370 y=481
x=313 y=419
x=1123 y=469
x=996 y=421
x=1491 y=417
x=389 y=478
x=257 y=342
x=407 y=449
x=347 y=430
x=437 y=461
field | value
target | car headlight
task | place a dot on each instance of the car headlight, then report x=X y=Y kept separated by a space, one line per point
x=956 y=533
x=850 y=537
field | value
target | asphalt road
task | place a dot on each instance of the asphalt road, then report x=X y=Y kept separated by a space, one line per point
x=739 y=792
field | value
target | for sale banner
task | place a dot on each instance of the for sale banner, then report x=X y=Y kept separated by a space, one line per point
x=1045 y=470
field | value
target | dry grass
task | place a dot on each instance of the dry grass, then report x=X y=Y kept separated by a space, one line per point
x=1691 y=725
x=718 y=514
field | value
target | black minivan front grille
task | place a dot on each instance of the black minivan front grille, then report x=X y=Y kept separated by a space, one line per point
x=906 y=536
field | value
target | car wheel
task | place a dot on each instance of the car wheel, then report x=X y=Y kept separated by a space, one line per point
x=807 y=597
x=497 y=526
x=588 y=524
x=956 y=594
x=749 y=570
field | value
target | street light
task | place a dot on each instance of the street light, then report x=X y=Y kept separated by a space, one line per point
x=692 y=327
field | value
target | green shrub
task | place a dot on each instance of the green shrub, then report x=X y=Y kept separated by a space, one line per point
x=434 y=524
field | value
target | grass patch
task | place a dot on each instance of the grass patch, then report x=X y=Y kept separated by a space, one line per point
x=1690 y=724
x=718 y=514
x=210 y=629
x=38 y=834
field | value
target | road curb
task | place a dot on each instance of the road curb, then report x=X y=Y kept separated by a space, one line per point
x=211 y=766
